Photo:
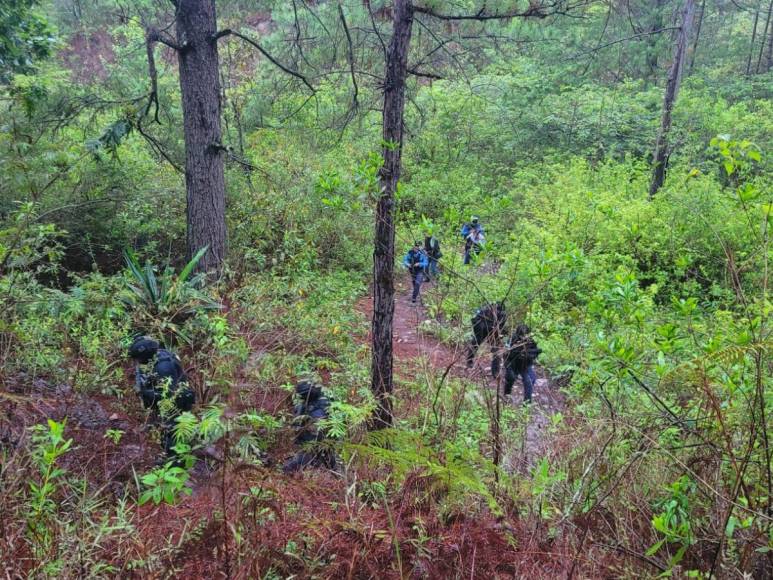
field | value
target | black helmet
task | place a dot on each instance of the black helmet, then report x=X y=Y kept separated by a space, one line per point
x=308 y=390
x=143 y=348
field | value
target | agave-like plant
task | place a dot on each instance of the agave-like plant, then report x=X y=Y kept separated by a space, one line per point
x=165 y=300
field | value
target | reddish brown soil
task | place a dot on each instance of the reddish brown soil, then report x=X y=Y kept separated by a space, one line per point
x=415 y=349
x=316 y=513
x=87 y=54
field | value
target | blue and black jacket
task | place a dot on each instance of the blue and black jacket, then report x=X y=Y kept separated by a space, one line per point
x=415 y=260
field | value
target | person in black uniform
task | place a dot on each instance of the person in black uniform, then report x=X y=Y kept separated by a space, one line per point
x=311 y=408
x=161 y=384
x=487 y=324
x=522 y=352
x=432 y=249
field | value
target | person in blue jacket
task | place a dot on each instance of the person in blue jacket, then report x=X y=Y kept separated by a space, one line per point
x=472 y=232
x=416 y=262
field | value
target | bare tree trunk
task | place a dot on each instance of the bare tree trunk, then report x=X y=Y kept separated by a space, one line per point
x=660 y=157
x=652 y=40
x=751 y=46
x=384 y=246
x=767 y=37
x=697 y=35
x=769 y=56
x=200 y=88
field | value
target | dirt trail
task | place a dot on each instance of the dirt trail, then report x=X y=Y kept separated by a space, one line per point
x=416 y=348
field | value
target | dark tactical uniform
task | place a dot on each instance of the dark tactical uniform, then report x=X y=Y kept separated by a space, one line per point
x=487 y=324
x=432 y=250
x=312 y=408
x=519 y=361
x=165 y=381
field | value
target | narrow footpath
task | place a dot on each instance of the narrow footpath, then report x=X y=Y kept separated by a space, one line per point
x=415 y=348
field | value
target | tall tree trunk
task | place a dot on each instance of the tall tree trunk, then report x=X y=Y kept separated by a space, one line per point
x=200 y=88
x=652 y=39
x=660 y=157
x=384 y=243
x=769 y=56
x=697 y=35
x=751 y=46
x=767 y=36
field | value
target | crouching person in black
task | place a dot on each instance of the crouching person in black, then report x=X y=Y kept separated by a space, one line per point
x=487 y=324
x=522 y=352
x=310 y=410
x=162 y=384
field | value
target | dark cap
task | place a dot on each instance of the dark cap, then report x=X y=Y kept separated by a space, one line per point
x=308 y=390
x=522 y=330
x=143 y=348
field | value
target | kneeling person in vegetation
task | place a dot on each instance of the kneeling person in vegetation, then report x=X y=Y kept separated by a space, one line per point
x=522 y=352
x=312 y=407
x=416 y=262
x=164 y=388
x=487 y=324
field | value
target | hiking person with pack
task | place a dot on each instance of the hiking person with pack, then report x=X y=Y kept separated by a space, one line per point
x=487 y=324
x=162 y=385
x=432 y=249
x=312 y=407
x=416 y=262
x=522 y=352
x=474 y=238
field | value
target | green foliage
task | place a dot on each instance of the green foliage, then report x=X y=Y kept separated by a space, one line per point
x=28 y=246
x=25 y=36
x=49 y=445
x=163 y=302
x=111 y=138
x=673 y=521
x=655 y=314
x=165 y=484
x=461 y=475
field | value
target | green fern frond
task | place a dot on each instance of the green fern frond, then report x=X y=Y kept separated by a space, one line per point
x=729 y=355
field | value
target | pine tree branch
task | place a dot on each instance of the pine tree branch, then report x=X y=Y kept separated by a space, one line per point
x=264 y=52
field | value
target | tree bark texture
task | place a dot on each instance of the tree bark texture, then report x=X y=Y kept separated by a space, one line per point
x=660 y=157
x=384 y=246
x=697 y=35
x=767 y=39
x=751 y=46
x=652 y=39
x=200 y=88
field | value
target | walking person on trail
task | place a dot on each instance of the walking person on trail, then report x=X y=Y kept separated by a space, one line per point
x=487 y=324
x=474 y=238
x=522 y=352
x=432 y=249
x=310 y=437
x=416 y=262
x=162 y=384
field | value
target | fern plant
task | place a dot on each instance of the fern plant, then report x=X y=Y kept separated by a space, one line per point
x=456 y=473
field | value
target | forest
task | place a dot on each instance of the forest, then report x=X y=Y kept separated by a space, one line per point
x=395 y=289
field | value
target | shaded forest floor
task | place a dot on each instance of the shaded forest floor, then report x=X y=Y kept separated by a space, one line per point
x=283 y=519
